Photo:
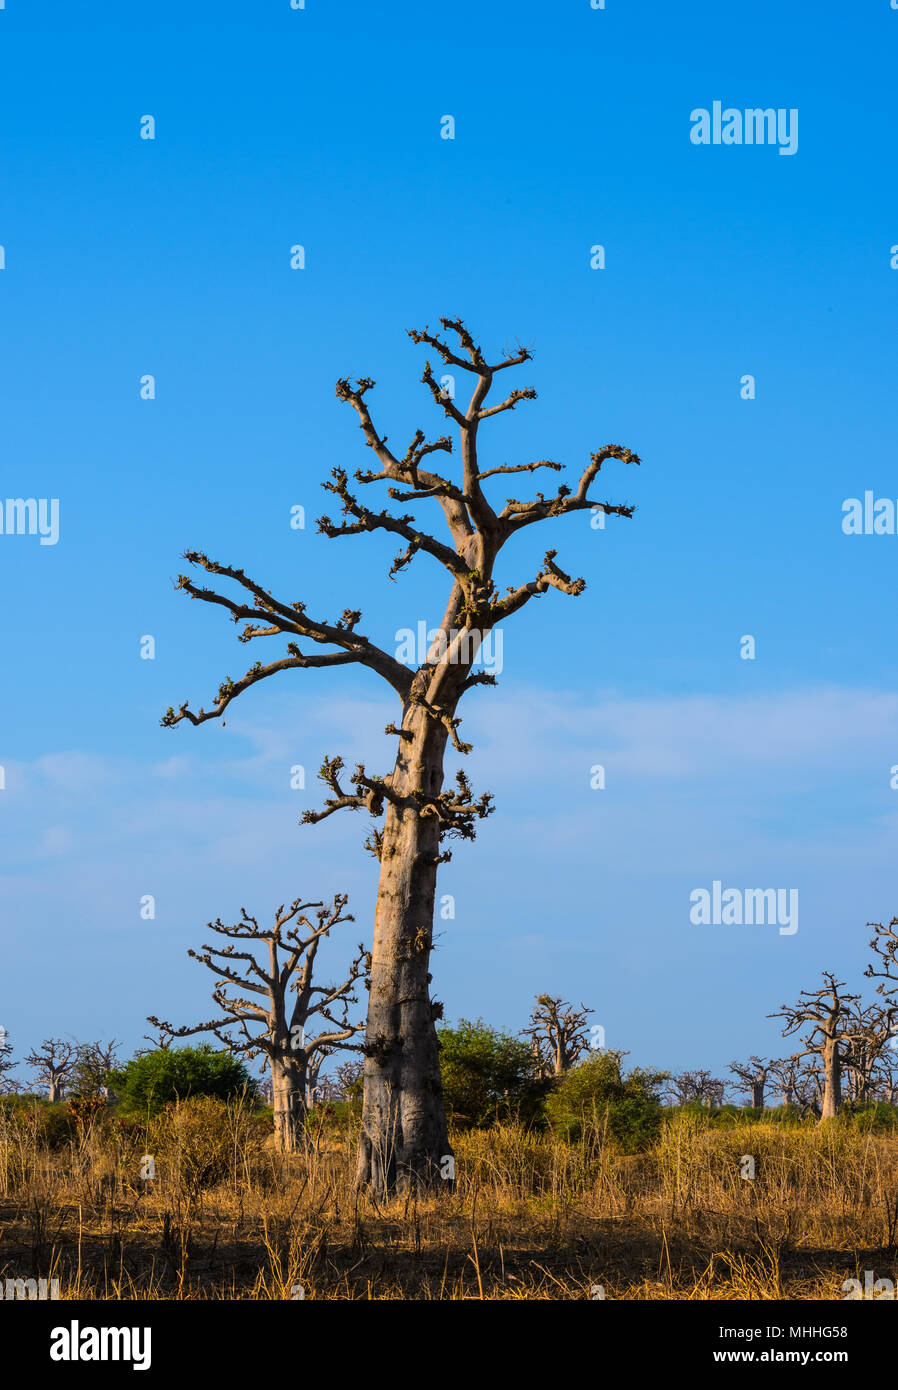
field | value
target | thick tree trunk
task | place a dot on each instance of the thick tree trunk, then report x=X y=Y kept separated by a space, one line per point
x=404 y=1139
x=55 y=1089
x=757 y=1095
x=288 y=1089
x=832 y=1091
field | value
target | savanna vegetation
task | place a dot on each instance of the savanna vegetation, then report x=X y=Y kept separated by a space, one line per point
x=169 y=1183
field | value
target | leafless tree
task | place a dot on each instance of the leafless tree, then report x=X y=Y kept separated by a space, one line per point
x=753 y=1075
x=798 y=1082
x=7 y=1085
x=885 y=947
x=885 y=969
x=873 y=1028
x=404 y=1137
x=288 y=969
x=832 y=1019
x=315 y=1088
x=91 y=1067
x=690 y=1086
x=158 y=1043
x=348 y=1078
x=53 y=1063
x=885 y=1078
x=558 y=1033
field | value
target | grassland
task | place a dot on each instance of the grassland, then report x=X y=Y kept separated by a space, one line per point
x=529 y=1216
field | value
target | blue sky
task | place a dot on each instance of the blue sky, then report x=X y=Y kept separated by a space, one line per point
x=321 y=127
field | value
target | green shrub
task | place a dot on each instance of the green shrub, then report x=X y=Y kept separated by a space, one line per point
x=489 y=1075
x=149 y=1082
x=596 y=1095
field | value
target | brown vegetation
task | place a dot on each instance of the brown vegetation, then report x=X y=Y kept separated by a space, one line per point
x=227 y=1216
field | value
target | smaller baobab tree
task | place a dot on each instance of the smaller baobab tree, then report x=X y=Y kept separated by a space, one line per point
x=266 y=1023
x=830 y=1015
x=753 y=1075
x=53 y=1064
x=348 y=1079
x=798 y=1083
x=91 y=1067
x=691 y=1087
x=558 y=1033
x=315 y=1088
x=873 y=1027
x=885 y=1083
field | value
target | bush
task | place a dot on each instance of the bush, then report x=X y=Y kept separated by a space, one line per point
x=595 y=1094
x=489 y=1075
x=52 y=1126
x=149 y=1082
x=203 y=1141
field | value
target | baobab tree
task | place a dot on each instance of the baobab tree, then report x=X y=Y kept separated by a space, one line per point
x=265 y=1023
x=833 y=1028
x=53 y=1063
x=161 y=1042
x=558 y=1033
x=348 y=1079
x=873 y=1028
x=885 y=946
x=753 y=1075
x=91 y=1067
x=885 y=969
x=314 y=1081
x=690 y=1086
x=885 y=1083
x=404 y=1137
x=798 y=1082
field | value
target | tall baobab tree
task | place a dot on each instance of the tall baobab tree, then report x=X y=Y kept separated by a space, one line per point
x=53 y=1064
x=404 y=1137
x=558 y=1033
x=265 y=1022
x=753 y=1075
x=830 y=1015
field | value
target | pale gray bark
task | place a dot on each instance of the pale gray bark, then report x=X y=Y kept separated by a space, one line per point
x=269 y=1022
x=53 y=1064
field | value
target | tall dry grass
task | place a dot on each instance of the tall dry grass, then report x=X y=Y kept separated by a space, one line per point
x=226 y=1217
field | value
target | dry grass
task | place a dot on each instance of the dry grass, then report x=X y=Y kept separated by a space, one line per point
x=530 y=1218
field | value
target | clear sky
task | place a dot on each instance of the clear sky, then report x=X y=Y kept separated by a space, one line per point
x=322 y=127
